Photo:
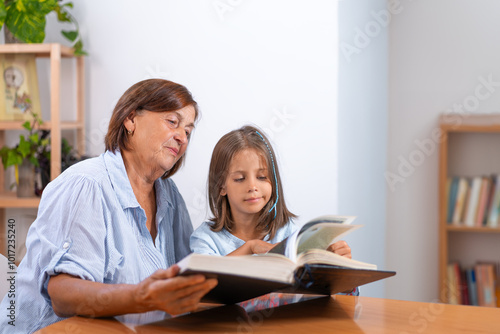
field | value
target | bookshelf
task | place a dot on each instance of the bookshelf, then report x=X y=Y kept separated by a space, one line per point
x=469 y=147
x=55 y=53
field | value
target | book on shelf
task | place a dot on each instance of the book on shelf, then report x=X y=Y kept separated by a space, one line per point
x=474 y=285
x=485 y=284
x=493 y=185
x=482 y=201
x=495 y=205
x=298 y=264
x=473 y=201
x=452 y=197
x=470 y=277
x=453 y=282
x=462 y=192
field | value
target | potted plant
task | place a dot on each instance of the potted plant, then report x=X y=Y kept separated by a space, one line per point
x=26 y=154
x=25 y=20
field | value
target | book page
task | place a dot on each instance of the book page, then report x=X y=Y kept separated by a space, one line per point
x=321 y=235
x=320 y=256
x=317 y=233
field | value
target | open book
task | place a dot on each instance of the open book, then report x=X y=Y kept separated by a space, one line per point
x=299 y=264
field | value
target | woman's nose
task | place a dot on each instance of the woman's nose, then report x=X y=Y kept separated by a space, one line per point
x=180 y=136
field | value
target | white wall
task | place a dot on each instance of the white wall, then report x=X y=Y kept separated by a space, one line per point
x=273 y=64
x=363 y=129
x=438 y=51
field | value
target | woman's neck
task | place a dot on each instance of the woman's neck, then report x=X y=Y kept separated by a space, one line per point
x=138 y=171
x=144 y=191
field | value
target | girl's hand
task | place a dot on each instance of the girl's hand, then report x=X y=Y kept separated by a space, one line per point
x=255 y=246
x=342 y=248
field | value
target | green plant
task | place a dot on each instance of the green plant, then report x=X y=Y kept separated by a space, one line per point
x=26 y=20
x=32 y=147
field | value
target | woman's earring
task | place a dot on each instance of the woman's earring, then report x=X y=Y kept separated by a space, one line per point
x=129 y=132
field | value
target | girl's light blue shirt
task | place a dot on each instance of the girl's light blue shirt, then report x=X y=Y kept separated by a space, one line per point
x=206 y=241
x=90 y=225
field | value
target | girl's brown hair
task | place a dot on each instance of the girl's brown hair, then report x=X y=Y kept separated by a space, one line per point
x=246 y=137
x=156 y=95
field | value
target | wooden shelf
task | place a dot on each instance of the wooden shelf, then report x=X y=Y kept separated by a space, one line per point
x=10 y=200
x=467 y=149
x=39 y=50
x=451 y=228
x=47 y=125
x=55 y=52
x=470 y=123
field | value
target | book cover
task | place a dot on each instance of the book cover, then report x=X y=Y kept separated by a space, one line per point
x=473 y=201
x=452 y=199
x=495 y=205
x=483 y=201
x=491 y=195
x=18 y=87
x=471 y=286
x=310 y=270
x=463 y=188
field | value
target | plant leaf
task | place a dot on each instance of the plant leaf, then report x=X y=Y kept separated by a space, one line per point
x=70 y=35
x=79 y=48
x=29 y=28
x=34 y=161
x=24 y=147
x=27 y=125
x=26 y=19
x=13 y=159
x=34 y=138
x=3 y=13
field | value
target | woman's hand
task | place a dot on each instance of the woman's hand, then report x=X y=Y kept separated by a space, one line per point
x=163 y=290
x=166 y=291
x=342 y=248
x=255 y=246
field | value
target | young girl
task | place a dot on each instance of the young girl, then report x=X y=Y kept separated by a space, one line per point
x=246 y=199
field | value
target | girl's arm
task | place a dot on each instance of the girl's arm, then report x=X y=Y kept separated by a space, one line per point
x=163 y=290
x=255 y=246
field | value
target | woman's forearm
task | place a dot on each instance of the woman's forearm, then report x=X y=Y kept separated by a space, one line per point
x=74 y=296
x=164 y=290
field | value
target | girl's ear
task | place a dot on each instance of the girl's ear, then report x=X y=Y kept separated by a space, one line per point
x=223 y=191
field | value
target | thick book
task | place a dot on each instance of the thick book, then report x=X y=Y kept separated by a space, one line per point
x=298 y=264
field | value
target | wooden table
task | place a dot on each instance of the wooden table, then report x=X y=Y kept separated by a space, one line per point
x=340 y=314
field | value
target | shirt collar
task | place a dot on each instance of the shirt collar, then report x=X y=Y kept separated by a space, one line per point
x=121 y=183
x=119 y=179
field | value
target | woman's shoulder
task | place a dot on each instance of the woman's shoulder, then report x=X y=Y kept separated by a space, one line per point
x=84 y=174
x=91 y=168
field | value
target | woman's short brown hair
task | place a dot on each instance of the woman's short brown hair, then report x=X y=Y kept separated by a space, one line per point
x=156 y=95
x=246 y=137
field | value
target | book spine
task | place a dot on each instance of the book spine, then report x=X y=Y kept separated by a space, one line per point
x=472 y=289
x=463 y=189
x=473 y=201
x=483 y=201
x=452 y=199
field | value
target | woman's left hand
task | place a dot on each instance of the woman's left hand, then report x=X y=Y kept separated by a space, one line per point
x=341 y=248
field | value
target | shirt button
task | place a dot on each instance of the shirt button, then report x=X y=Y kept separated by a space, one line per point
x=66 y=245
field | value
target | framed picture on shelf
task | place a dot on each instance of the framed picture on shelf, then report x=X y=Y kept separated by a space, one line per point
x=18 y=87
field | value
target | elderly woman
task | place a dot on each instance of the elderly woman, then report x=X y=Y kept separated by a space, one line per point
x=109 y=226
